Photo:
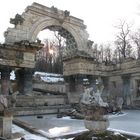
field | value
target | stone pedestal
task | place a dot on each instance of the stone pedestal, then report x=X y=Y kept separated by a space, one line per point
x=95 y=120
x=28 y=84
x=96 y=126
x=24 y=80
x=6 y=118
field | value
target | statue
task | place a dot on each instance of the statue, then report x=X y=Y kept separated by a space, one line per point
x=66 y=13
x=54 y=9
x=3 y=103
x=17 y=20
x=93 y=108
x=93 y=98
x=90 y=43
x=7 y=102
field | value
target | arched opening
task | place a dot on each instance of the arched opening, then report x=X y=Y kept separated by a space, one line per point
x=58 y=43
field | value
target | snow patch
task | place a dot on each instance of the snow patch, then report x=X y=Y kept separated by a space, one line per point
x=12 y=75
x=58 y=130
x=49 y=77
x=124 y=132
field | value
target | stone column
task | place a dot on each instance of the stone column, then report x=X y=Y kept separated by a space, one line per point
x=28 y=84
x=24 y=80
x=5 y=80
x=20 y=80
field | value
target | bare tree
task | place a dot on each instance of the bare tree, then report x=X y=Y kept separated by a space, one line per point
x=102 y=53
x=115 y=56
x=60 y=43
x=107 y=54
x=45 y=57
x=122 y=39
x=136 y=40
x=51 y=55
x=96 y=52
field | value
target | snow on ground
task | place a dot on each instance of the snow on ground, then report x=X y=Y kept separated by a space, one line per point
x=47 y=74
x=46 y=77
x=124 y=132
x=126 y=123
x=12 y=75
x=49 y=77
x=29 y=136
x=110 y=116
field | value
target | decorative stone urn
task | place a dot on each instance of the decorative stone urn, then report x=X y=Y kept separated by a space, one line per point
x=96 y=126
x=94 y=109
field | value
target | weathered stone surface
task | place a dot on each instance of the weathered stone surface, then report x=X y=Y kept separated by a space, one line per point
x=101 y=136
x=3 y=103
x=5 y=126
x=18 y=55
x=116 y=85
x=56 y=88
x=38 y=17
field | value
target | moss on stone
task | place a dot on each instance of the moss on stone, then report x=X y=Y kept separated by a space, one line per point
x=100 y=136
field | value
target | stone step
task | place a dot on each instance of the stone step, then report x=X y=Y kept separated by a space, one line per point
x=19 y=111
x=43 y=100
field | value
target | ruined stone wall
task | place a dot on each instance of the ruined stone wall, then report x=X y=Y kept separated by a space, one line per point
x=83 y=66
x=90 y=67
x=15 y=57
x=56 y=87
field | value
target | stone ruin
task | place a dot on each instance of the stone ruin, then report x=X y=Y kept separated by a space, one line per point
x=21 y=43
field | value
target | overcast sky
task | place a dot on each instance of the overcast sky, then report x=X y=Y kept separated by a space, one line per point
x=100 y=16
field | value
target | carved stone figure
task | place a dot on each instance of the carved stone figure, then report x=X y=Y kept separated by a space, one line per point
x=90 y=43
x=87 y=96
x=3 y=103
x=66 y=13
x=90 y=97
x=13 y=99
x=54 y=9
x=17 y=20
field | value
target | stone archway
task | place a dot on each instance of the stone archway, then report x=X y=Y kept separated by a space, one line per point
x=38 y=17
x=70 y=42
